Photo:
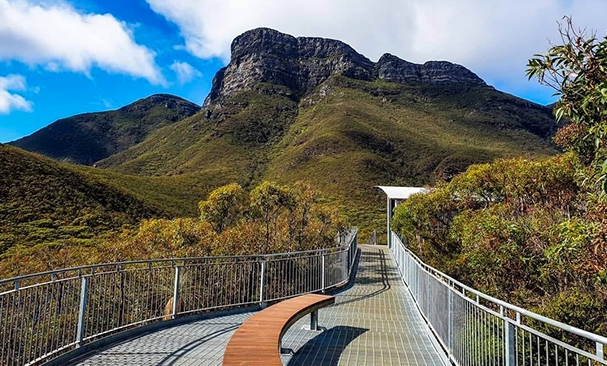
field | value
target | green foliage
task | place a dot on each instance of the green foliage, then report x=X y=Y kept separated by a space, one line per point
x=42 y=201
x=273 y=219
x=517 y=229
x=578 y=308
x=223 y=206
x=577 y=70
x=276 y=219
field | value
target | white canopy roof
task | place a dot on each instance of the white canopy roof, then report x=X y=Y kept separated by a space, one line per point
x=401 y=193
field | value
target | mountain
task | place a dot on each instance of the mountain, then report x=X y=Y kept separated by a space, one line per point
x=301 y=64
x=87 y=138
x=42 y=202
x=314 y=109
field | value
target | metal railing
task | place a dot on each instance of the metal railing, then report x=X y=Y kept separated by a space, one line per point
x=47 y=314
x=477 y=329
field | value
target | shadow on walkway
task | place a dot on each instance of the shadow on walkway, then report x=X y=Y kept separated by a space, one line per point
x=173 y=357
x=162 y=356
x=329 y=344
x=369 y=279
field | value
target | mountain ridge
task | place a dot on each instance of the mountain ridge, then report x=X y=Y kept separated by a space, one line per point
x=303 y=63
x=89 y=137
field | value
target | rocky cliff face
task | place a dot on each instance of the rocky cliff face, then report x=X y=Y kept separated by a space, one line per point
x=392 y=68
x=266 y=55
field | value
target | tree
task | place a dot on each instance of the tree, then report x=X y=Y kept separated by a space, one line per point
x=223 y=207
x=267 y=201
x=577 y=71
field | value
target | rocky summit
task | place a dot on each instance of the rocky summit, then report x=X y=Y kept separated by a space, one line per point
x=268 y=56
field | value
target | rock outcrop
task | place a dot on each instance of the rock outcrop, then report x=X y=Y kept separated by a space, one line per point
x=392 y=68
x=300 y=64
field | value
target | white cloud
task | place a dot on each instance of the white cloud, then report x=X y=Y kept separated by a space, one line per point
x=185 y=72
x=10 y=101
x=58 y=37
x=493 y=38
x=107 y=102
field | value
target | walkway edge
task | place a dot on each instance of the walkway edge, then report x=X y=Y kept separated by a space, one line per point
x=73 y=357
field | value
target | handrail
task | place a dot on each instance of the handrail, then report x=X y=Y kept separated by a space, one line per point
x=150 y=261
x=57 y=312
x=453 y=319
x=507 y=305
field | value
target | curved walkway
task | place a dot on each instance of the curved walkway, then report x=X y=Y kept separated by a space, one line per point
x=374 y=322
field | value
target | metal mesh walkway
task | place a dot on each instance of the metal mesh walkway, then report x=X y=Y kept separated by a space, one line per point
x=375 y=322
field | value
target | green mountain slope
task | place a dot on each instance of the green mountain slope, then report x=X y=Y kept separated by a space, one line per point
x=234 y=142
x=87 y=138
x=177 y=195
x=42 y=201
x=355 y=135
x=311 y=109
x=344 y=138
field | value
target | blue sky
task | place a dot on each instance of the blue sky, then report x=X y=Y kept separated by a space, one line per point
x=63 y=57
x=55 y=94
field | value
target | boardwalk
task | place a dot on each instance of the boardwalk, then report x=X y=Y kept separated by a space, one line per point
x=374 y=322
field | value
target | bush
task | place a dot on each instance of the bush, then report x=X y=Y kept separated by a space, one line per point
x=524 y=231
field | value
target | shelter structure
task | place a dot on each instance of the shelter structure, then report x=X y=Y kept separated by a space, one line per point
x=395 y=195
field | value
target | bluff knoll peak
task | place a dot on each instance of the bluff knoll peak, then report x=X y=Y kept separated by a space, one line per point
x=302 y=63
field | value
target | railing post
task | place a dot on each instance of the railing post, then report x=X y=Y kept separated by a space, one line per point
x=510 y=347
x=349 y=258
x=322 y=279
x=388 y=230
x=451 y=324
x=262 y=280
x=600 y=351
x=81 y=310
x=176 y=291
x=427 y=291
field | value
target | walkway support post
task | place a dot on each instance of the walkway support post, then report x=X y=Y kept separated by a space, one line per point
x=510 y=348
x=176 y=292
x=82 y=310
x=314 y=320
x=262 y=280
x=388 y=230
x=451 y=323
x=322 y=269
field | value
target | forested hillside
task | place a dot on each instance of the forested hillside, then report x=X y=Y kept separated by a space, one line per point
x=524 y=231
x=43 y=202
